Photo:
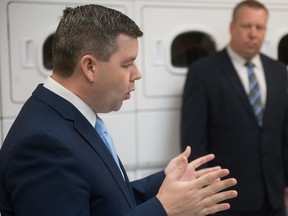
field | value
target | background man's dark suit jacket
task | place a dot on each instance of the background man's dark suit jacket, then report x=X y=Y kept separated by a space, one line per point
x=54 y=163
x=217 y=117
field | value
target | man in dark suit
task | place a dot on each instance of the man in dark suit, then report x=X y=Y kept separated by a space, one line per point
x=249 y=138
x=53 y=162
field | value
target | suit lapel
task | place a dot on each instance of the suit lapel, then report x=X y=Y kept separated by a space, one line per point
x=227 y=67
x=82 y=126
x=128 y=183
x=95 y=141
x=270 y=86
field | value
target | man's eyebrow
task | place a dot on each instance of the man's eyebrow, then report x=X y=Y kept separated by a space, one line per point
x=130 y=59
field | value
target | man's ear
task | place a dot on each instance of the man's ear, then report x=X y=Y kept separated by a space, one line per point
x=88 y=66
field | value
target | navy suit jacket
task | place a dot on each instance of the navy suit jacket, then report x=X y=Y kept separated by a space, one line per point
x=53 y=162
x=218 y=118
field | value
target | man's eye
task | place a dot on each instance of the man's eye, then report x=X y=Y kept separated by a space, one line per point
x=260 y=28
x=246 y=26
x=127 y=65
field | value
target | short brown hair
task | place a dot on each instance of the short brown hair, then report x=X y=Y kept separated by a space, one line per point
x=88 y=29
x=248 y=3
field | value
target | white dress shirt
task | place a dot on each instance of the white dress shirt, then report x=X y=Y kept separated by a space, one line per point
x=239 y=64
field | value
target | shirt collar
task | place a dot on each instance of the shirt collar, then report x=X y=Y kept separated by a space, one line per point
x=63 y=92
x=241 y=61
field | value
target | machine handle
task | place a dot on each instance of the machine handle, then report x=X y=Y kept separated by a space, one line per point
x=27 y=54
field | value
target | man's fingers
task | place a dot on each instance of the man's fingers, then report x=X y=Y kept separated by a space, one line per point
x=204 y=171
x=219 y=186
x=187 y=152
x=219 y=197
x=207 y=193
x=201 y=160
x=213 y=196
x=213 y=202
x=209 y=178
x=216 y=208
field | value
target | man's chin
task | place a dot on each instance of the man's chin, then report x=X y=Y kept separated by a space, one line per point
x=118 y=107
x=127 y=96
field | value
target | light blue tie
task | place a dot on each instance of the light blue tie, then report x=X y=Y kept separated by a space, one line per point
x=255 y=94
x=103 y=132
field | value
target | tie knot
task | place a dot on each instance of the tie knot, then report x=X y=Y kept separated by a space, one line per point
x=249 y=65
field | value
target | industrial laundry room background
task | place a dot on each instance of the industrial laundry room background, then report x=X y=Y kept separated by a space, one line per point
x=176 y=32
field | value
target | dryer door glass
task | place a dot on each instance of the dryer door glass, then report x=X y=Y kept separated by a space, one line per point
x=283 y=50
x=189 y=47
x=47 y=53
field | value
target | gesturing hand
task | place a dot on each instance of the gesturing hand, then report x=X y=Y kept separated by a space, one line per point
x=190 y=172
x=197 y=194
